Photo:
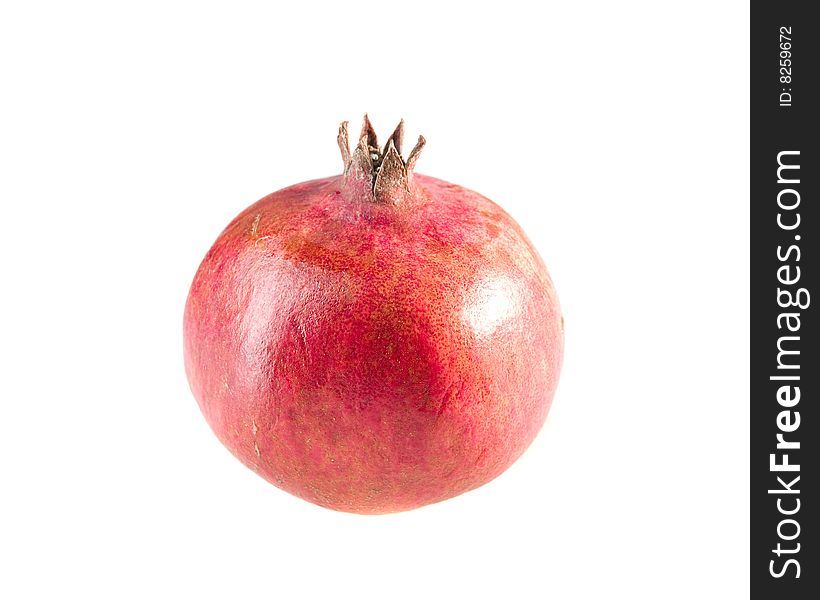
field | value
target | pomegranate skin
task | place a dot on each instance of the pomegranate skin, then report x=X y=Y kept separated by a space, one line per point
x=374 y=357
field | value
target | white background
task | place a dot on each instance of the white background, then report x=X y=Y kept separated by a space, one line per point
x=615 y=132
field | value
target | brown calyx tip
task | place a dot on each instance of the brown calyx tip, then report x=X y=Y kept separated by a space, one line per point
x=414 y=153
x=344 y=143
x=383 y=170
x=396 y=137
x=368 y=134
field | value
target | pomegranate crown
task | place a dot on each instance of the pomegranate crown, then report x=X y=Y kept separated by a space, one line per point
x=382 y=171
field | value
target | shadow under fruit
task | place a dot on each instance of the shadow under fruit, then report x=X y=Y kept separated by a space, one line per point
x=375 y=341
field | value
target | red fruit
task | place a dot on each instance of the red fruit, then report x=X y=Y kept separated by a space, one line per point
x=375 y=341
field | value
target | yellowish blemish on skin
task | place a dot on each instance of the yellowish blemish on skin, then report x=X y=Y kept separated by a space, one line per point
x=255 y=429
x=255 y=225
x=264 y=238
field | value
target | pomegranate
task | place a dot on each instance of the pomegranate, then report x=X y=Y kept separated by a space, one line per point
x=375 y=341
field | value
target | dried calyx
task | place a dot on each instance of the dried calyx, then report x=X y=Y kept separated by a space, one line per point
x=382 y=172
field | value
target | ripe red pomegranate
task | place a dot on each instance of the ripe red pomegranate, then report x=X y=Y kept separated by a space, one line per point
x=375 y=341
